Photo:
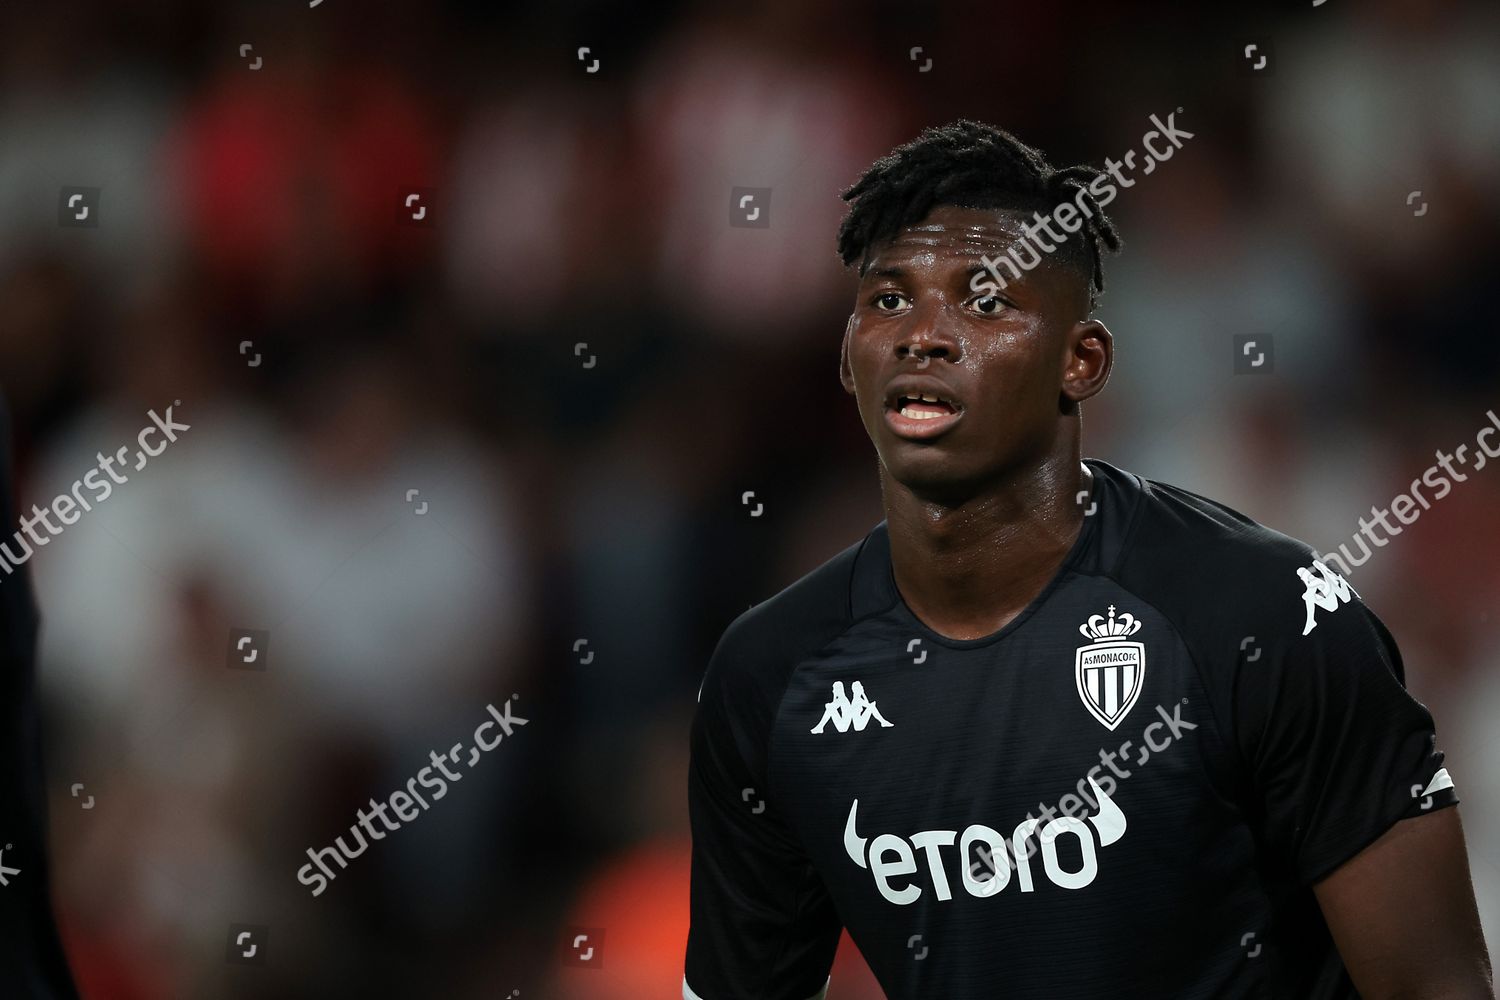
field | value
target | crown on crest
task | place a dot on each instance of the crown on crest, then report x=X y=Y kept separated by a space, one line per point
x=1099 y=630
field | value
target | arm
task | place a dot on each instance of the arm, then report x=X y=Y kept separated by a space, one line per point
x=763 y=926
x=32 y=962
x=1354 y=797
x=1402 y=913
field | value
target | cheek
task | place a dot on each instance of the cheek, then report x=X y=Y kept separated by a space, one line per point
x=861 y=384
x=1010 y=364
x=1019 y=386
x=863 y=367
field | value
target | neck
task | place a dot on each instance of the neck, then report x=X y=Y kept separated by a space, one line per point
x=967 y=568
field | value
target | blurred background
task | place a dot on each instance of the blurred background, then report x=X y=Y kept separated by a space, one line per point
x=580 y=359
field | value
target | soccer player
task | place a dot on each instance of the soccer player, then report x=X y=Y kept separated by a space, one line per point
x=1133 y=744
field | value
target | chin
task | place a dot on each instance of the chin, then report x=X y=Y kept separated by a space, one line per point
x=933 y=476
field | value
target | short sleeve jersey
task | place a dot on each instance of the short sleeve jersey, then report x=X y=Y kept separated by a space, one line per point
x=32 y=963
x=1127 y=791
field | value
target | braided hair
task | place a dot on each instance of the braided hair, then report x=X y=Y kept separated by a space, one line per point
x=972 y=165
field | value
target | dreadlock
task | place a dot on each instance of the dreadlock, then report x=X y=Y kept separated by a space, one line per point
x=971 y=165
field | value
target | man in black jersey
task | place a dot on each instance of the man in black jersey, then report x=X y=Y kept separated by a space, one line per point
x=1130 y=743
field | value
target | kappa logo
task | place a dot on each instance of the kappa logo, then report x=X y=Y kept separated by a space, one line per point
x=887 y=855
x=1327 y=592
x=844 y=712
x=1110 y=670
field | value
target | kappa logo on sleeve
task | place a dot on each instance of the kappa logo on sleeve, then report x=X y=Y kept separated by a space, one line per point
x=844 y=712
x=1328 y=592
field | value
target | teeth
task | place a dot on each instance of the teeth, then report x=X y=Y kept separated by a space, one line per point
x=920 y=415
x=926 y=398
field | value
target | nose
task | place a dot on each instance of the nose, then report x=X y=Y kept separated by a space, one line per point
x=924 y=336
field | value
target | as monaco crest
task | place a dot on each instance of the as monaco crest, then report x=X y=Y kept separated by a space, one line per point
x=1109 y=671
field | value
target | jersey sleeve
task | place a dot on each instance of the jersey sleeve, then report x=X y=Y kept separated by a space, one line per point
x=763 y=925
x=1337 y=748
x=32 y=961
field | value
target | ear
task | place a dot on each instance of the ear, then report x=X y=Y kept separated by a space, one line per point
x=1087 y=362
x=846 y=373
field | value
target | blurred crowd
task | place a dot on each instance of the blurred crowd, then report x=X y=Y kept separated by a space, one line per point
x=500 y=451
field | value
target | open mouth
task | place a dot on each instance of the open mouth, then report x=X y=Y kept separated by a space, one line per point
x=924 y=406
x=921 y=416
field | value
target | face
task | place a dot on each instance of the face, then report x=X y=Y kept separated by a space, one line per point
x=1008 y=368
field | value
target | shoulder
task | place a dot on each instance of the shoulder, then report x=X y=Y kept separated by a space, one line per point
x=758 y=650
x=1231 y=585
x=1199 y=534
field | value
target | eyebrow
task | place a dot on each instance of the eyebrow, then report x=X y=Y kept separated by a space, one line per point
x=896 y=271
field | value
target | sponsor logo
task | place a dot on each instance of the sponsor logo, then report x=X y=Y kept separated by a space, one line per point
x=1109 y=670
x=844 y=712
x=1327 y=591
x=891 y=859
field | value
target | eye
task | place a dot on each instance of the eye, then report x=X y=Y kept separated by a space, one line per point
x=889 y=301
x=989 y=305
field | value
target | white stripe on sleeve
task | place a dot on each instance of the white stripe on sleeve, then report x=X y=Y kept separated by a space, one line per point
x=688 y=994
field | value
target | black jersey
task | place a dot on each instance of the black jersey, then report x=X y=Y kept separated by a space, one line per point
x=1127 y=791
x=32 y=964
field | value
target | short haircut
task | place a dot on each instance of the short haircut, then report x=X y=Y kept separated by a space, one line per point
x=972 y=165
